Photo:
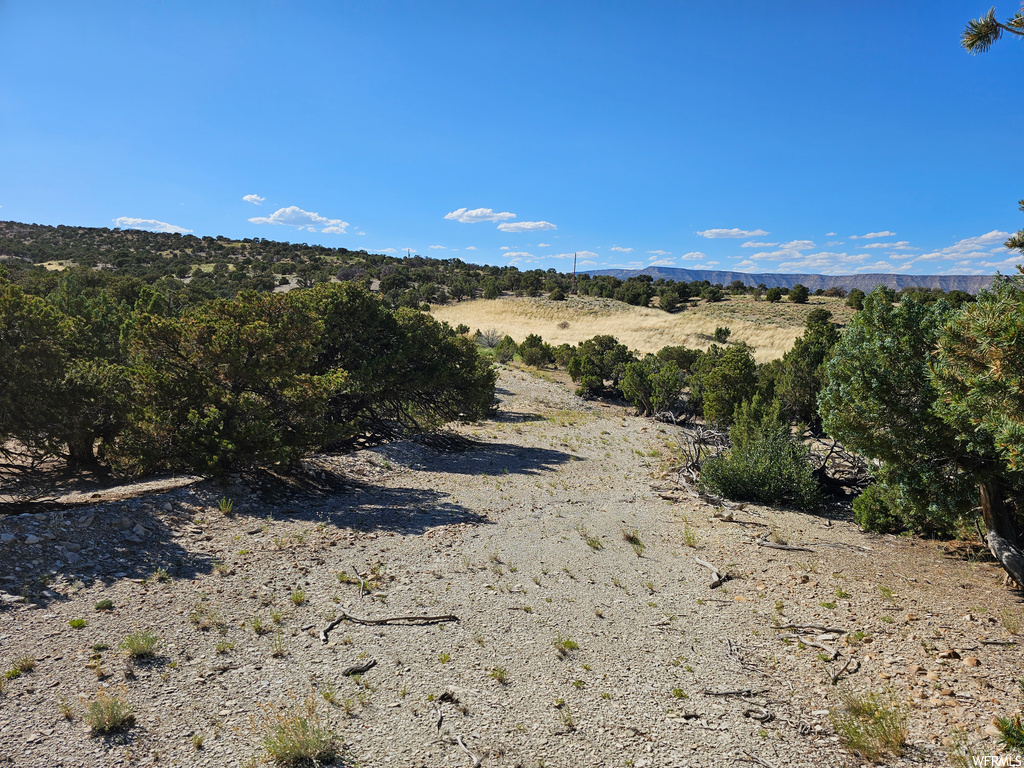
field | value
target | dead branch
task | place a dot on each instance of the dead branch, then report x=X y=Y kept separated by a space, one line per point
x=836 y=675
x=740 y=693
x=358 y=669
x=832 y=652
x=345 y=615
x=717 y=578
x=762 y=541
x=812 y=628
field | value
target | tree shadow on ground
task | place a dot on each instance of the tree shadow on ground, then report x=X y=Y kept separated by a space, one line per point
x=493 y=459
x=180 y=533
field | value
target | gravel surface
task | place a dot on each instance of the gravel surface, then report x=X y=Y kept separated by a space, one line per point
x=522 y=535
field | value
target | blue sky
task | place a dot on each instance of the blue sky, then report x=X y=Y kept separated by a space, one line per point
x=799 y=137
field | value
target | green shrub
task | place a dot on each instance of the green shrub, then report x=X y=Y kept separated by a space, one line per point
x=799 y=294
x=108 y=714
x=505 y=349
x=875 y=509
x=765 y=463
x=596 y=361
x=534 y=352
x=722 y=334
x=721 y=380
x=681 y=356
x=773 y=295
x=652 y=386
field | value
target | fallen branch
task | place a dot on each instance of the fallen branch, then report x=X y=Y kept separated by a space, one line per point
x=836 y=675
x=717 y=578
x=358 y=669
x=760 y=714
x=763 y=542
x=744 y=692
x=812 y=627
x=387 y=620
x=748 y=758
x=476 y=760
x=832 y=652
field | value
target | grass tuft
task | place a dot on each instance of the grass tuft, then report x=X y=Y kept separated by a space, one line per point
x=108 y=714
x=871 y=724
x=140 y=645
x=298 y=736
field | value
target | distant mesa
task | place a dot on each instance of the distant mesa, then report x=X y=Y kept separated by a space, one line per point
x=968 y=283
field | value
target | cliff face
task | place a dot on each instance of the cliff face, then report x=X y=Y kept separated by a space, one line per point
x=968 y=283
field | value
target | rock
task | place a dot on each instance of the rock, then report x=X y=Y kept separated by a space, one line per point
x=991 y=730
x=5 y=537
x=32 y=539
x=949 y=655
x=972 y=661
x=915 y=669
x=140 y=530
x=166 y=507
x=73 y=557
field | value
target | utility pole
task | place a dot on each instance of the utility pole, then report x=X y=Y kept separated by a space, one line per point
x=574 y=273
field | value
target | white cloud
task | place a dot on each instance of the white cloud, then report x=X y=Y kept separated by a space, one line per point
x=470 y=247
x=478 y=215
x=543 y=245
x=587 y=263
x=694 y=255
x=716 y=233
x=293 y=216
x=745 y=265
x=661 y=253
x=970 y=247
x=753 y=244
x=505 y=248
x=902 y=245
x=832 y=243
x=872 y=235
x=388 y=250
x=577 y=254
x=126 y=222
x=360 y=232
x=620 y=248
x=831 y=234
x=254 y=199
x=436 y=247
x=526 y=226
x=708 y=265
x=662 y=263
x=518 y=255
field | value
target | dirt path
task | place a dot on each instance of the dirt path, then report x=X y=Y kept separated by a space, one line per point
x=522 y=538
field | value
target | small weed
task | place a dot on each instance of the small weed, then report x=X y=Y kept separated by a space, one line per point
x=871 y=725
x=887 y=593
x=479 y=639
x=829 y=606
x=599 y=613
x=566 y=716
x=108 y=714
x=21 y=665
x=444 y=658
x=140 y=645
x=1011 y=621
x=888 y=619
x=500 y=674
x=225 y=506
x=67 y=711
x=104 y=605
x=605 y=695
x=197 y=741
x=842 y=594
x=330 y=695
x=633 y=539
x=221 y=568
x=257 y=625
x=298 y=597
x=276 y=616
x=579 y=684
x=278 y=648
x=224 y=646
x=77 y=623
x=679 y=693
x=564 y=646
x=592 y=541
x=689 y=536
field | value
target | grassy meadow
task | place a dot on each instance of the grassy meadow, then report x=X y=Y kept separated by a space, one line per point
x=769 y=328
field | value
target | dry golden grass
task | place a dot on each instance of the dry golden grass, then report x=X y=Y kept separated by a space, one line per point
x=769 y=328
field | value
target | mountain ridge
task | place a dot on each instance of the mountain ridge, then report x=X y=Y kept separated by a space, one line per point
x=866 y=282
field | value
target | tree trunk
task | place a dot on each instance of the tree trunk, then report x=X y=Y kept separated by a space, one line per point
x=80 y=451
x=1002 y=535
